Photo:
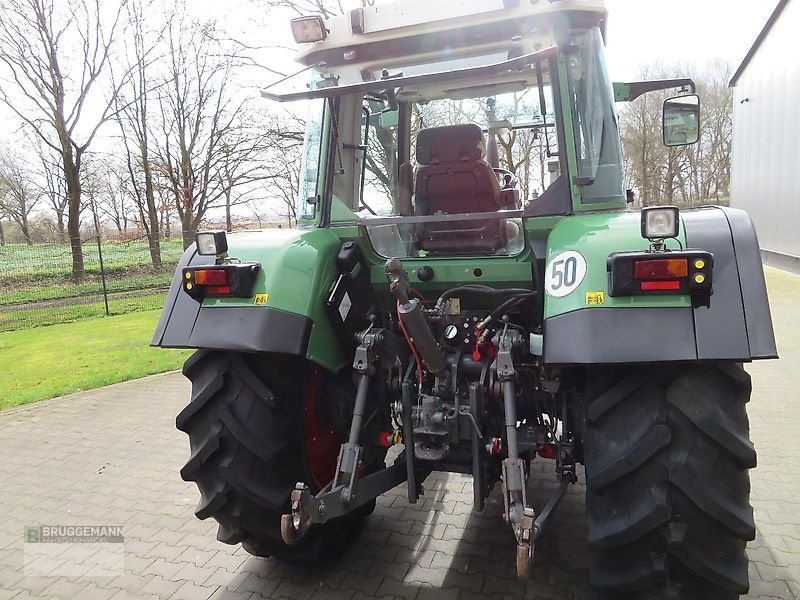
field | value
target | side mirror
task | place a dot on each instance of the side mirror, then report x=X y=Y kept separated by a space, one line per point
x=681 y=120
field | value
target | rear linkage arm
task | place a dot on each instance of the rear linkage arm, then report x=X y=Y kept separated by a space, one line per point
x=522 y=518
x=347 y=491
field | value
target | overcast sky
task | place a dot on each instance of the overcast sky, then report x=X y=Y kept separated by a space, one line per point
x=645 y=31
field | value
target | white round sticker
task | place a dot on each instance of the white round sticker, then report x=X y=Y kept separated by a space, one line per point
x=564 y=273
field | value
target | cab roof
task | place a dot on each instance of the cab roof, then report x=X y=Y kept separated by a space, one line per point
x=400 y=31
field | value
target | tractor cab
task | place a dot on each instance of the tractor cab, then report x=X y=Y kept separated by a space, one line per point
x=441 y=134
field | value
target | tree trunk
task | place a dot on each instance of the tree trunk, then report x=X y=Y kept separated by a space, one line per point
x=228 y=222
x=154 y=233
x=72 y=176
x=2 y=235
x=23 y=225
x=62 y=232
x=187 y=230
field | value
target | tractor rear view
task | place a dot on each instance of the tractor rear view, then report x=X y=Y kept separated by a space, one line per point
x=466 y=282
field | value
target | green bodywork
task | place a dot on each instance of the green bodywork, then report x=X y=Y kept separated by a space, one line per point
x=595 y=236
x=298 y=268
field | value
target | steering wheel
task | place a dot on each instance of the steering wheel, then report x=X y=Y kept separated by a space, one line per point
x=506 y=178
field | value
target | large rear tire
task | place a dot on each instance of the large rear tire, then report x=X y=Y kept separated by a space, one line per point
x=246 y=431
x=667 y=498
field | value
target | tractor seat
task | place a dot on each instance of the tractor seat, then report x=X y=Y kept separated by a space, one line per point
x=453 y=178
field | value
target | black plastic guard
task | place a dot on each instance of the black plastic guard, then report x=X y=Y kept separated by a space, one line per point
x=737 y=326
x=184 y=323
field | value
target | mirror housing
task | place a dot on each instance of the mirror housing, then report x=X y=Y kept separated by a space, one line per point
x=681 y=120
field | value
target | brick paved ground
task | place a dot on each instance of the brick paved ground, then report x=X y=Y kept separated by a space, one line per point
x=112 y=456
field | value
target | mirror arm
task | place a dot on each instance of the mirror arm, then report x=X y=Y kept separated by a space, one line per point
x=628 y=92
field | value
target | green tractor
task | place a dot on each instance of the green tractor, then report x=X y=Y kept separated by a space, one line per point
x=466 y=282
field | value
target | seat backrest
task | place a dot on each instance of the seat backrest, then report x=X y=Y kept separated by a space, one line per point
x=453 y=178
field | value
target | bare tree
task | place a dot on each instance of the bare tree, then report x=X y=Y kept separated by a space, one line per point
x=199 y=110
x=284 y=163
x=18 y=195
x=53 y=64
x=134 y=103
x=243 y=164
x=52 y=185
x=112 y=196
x=326 y=8
x=190 y=117
x=688 y=175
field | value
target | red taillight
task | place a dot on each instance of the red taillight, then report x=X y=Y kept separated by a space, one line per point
x=665 y=268
x=235 y=280
x=547 y=451
x=660 y=286
x=218 y=290
x=212 y=277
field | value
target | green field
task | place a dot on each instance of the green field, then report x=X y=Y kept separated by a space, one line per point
x=52 y=361
x=37 y=287
x=20 y=263
x=37 y=317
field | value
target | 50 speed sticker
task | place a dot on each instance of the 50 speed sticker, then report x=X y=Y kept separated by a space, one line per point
x=564 y=273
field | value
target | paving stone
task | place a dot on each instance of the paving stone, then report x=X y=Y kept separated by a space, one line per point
x=63 y=588
x=164 y=568
x=324 y=592
x=94 y=592
x=437 y=593
x=219 y=578
x=161 y=587
x=192 y=573
x=390 y=587
x=190 y=591
x=226 y=560
x=254 y=583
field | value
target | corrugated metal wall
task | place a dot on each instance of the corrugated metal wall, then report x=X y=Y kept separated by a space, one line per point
x=765 y=175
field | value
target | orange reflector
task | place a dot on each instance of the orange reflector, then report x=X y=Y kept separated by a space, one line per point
x=665 y=268
x=660 y=286
x=211 y=277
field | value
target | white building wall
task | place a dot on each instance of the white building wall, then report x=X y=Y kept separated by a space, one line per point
x=765 y=173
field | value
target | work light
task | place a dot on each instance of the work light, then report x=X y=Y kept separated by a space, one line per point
x=211 y=243
x=309 y=29
x=660 y=222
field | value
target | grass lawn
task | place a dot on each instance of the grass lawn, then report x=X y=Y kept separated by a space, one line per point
x=46 y=362
x=34 y=317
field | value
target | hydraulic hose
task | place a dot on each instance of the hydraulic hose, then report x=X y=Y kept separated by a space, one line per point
x=479 y=289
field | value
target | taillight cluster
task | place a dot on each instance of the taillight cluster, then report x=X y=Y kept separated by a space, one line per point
x=643 y=273
x=235 y=280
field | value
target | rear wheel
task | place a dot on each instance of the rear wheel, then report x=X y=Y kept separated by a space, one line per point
x=667 y=497
x=256 y=428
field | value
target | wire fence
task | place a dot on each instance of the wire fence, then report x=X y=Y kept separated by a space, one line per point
x=37 y=287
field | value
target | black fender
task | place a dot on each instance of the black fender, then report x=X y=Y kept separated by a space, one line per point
x=737 y=326
x=185 y=324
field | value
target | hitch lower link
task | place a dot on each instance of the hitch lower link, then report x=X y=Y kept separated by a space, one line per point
x=347 y=491
x=521 y=517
